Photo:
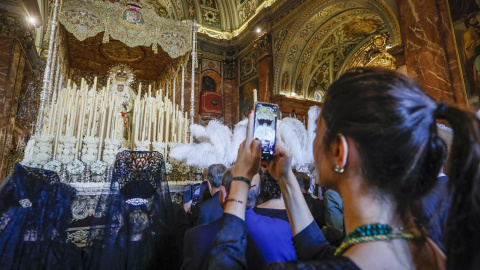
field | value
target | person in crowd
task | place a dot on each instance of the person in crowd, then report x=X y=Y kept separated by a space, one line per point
x=210 y=209
x=268 y=239
x=334 y=229
x=377 y=145
x=437 y=202
x=272 y=204
x=316 y=206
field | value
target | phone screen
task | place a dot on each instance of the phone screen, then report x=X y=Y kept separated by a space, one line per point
x=195 y=193
x=265 y=127
x=187 y=193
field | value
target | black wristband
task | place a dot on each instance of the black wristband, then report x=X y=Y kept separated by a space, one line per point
x=243 y=179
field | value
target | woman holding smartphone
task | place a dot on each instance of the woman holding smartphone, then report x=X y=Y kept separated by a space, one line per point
x=377 y=145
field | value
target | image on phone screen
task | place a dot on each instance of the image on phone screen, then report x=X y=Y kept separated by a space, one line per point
x=195 y=193
x=264 y=128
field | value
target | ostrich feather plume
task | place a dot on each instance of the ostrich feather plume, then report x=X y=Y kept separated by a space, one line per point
x=313 y=114
x=239 y=135
x=203 y=155
x=199 y=133
x=295 y=138
x=220 y=136
x=181 y=151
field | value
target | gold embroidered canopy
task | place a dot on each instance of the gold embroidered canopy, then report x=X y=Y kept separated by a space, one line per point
x=132 y=24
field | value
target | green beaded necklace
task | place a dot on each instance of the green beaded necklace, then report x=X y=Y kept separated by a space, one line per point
x=372 y=233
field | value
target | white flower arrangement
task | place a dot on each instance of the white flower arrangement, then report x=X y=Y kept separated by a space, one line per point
x=111 y=150
x=90 y=150
x=43 y=149
x=53 y=165
x=98 y=168
x=142 y=145
x=159 y=146
x=30 y=163
x=198 y=170
x=75 y=167
x=168 y=168
x=66 y=149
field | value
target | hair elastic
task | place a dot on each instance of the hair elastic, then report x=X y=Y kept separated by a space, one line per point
x=440 y=112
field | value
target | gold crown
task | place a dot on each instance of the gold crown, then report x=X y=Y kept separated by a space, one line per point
x=122 y=73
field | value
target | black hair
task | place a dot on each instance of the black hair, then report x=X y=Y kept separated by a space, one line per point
x=303 y=180
x=393 y=124
x=269 y=188
x=214 y=174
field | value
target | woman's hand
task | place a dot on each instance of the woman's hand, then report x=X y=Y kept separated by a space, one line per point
x=281 y=165
x=249 y=153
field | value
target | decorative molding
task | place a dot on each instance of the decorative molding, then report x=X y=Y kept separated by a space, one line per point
x=263 y=46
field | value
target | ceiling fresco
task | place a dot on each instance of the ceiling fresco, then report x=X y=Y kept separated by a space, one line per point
x=311 y=51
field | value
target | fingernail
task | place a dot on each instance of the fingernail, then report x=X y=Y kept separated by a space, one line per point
x=257 y=139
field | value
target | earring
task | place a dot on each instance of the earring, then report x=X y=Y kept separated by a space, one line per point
x=338 y=169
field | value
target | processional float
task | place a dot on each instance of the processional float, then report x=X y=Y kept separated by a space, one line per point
x=81 y=128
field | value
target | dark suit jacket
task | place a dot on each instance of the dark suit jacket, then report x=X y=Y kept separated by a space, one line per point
x=198 y=244
x=210 y=210
x=316 y=208
x=436 y=205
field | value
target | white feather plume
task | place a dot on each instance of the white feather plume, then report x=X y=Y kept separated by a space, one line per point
x=313 y=114
x=199 y=133
x=294 y=136
x=239 y=135
x=181 y=151
x=203 y=155
x=221 y=138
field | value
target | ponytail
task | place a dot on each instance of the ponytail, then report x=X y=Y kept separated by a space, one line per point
x=462 y=232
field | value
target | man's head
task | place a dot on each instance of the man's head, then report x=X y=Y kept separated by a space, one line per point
x=303 y=181
x=214 y=177
x=227 y=184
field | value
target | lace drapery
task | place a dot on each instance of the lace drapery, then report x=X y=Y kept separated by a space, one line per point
x=133 y=27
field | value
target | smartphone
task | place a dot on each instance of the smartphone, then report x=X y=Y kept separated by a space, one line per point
x=187 y=193
x=265 y=128
x=195 y=193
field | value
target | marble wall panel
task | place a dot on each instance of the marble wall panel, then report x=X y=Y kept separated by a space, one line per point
x=231 y=102
x=265 y=77
x=430 y=53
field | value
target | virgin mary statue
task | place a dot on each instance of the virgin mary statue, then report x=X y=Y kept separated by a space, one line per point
x=121 y=77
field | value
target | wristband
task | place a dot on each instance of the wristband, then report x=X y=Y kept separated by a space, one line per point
x=235 y=200
x=243 y=179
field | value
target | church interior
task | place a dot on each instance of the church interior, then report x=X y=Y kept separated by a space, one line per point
x=83 y=80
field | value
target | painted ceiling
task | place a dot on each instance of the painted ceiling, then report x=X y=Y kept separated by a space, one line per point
x=313 y=51
x=222 y=19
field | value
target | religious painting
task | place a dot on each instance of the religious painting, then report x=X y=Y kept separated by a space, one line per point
x=208 y=84
x=465 y=16
x=246 y=97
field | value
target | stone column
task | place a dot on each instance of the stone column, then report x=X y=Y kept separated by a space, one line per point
x=431 y=58
x=263 y=46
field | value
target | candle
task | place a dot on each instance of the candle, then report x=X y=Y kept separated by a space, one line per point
x=254 y=96
x=149 y=90
x=140 y=89
x=108 y=84
x=109 y=117
x=95 y=84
